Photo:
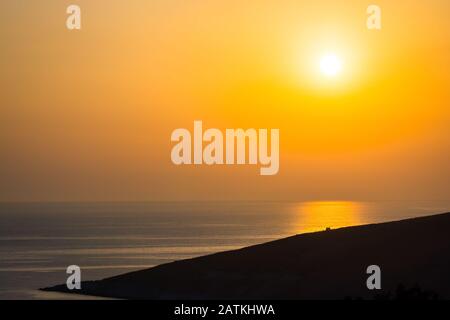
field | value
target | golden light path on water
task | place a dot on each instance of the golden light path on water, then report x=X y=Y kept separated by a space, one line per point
x=319 y=215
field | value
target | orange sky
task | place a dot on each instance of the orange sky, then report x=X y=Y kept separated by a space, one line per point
x=87 y=115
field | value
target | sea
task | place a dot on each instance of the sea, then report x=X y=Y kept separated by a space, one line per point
x=38 y=241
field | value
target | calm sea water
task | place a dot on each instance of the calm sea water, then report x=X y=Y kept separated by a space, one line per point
x=39 y=240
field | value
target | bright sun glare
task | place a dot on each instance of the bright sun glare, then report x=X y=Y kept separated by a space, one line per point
x=330 y=65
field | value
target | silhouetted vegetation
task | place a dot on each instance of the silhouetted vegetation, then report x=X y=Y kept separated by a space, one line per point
x=404 y=293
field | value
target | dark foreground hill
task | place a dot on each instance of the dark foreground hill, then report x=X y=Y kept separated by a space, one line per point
x=412 y=254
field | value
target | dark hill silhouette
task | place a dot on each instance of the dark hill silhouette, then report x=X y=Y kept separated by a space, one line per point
x=413 y=253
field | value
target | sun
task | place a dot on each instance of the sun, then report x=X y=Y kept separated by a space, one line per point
x=330 y=65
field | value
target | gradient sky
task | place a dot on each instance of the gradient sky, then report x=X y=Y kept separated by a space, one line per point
x=87 y=115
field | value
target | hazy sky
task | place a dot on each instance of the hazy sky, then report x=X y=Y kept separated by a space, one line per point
x=87 y=115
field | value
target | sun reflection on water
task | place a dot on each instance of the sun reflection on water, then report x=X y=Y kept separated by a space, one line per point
x=319 y=215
